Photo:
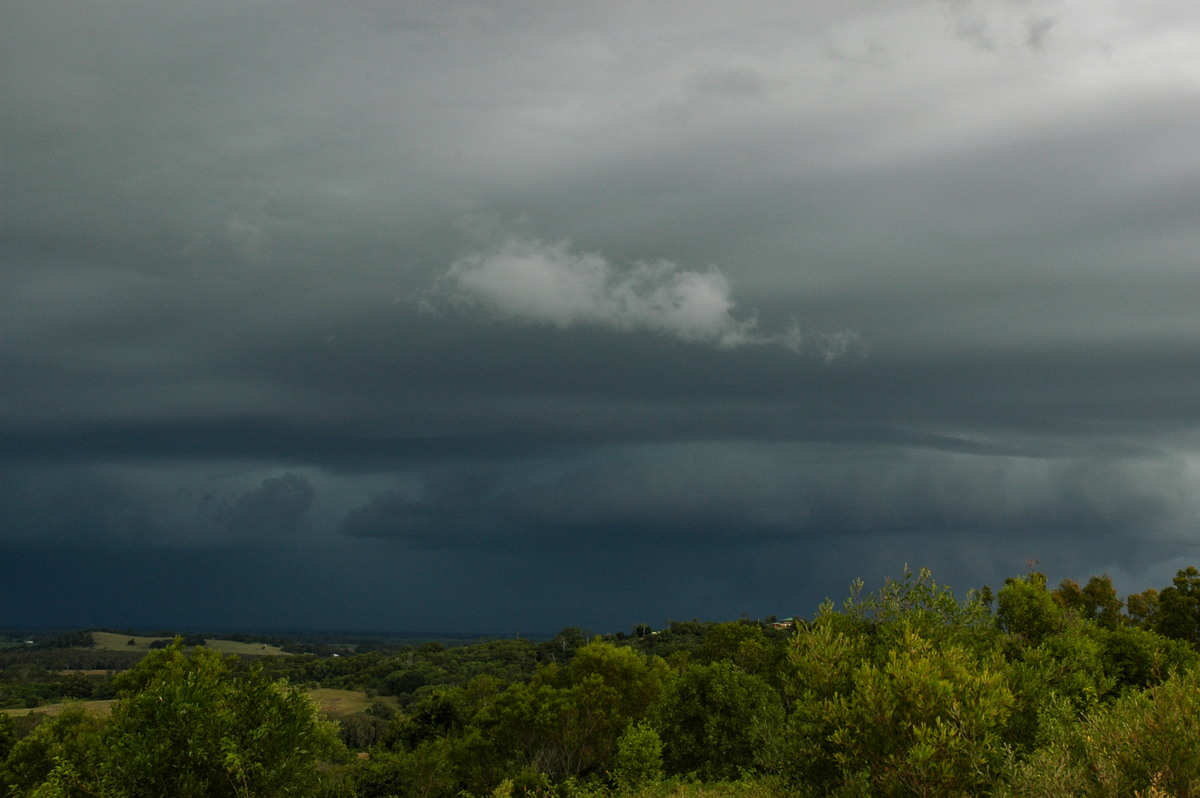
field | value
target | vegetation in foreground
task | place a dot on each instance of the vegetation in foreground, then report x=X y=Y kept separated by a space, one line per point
x=905 y=691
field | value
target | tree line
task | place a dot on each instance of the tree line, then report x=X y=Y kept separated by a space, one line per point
x=907 y=690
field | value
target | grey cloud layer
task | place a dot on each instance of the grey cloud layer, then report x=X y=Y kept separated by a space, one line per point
x=781 y=274
x=275 y=507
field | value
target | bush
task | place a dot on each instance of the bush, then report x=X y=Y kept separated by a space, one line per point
x=1141 y=743
x=240 y=731
x=190 y=727
x=714 y=721
x=8 y=735
x=69 y=741
x=638 y=762
x=928 y=721
x=425 y=772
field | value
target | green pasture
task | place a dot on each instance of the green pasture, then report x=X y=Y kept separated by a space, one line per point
x=95 y=707
x=111 y=641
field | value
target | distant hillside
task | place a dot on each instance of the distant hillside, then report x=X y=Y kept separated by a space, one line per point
x=112 y=641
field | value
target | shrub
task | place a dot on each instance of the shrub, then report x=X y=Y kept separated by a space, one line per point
x=715 y=720
x=638 y=761
x=1144 y=742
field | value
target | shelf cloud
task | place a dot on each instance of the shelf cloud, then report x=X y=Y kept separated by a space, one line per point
x=475 y=316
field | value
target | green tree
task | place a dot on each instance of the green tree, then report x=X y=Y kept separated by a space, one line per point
x=1179 y=607
x=1064 y=673
x=636 y=679
x=821 y=661
x=1026 y=610
x=638 y=763
x=566 y=721
x=715 y=719
x=1096 y=601
x=905 y=691
x=917 y=603
x=1143 y=608
x=747 y=646
x=69 y=742
x=541 y=728
x=1142 y=744
x=1069 y=595
x=192 y=727
x=1138 y=658
x=8 y=736
x=563 y=646
x=1101 y=602
x=424 y=772
x=929 y=720
x=437 y=714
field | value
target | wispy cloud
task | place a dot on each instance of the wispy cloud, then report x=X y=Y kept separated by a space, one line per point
x=539 y=282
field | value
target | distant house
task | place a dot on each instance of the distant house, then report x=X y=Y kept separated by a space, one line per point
x=786 y=623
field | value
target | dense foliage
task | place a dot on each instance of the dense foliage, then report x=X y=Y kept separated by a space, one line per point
x=184 y=726
x=909 y=690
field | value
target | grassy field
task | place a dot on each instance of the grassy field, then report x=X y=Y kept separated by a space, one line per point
x=346 y=701
x=98 y=707
x=110 y=641
x=342 y=702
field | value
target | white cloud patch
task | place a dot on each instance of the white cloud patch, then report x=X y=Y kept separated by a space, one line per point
x=548 y=283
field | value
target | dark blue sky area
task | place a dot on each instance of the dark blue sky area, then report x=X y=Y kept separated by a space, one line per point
x=478 y=317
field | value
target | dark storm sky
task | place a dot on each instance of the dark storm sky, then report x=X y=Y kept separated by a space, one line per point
x=498 y=315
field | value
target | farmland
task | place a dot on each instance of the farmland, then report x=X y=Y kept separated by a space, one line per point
x=113 y=641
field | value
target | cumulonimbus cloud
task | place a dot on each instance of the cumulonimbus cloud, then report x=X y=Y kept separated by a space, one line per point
x=548 y=283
